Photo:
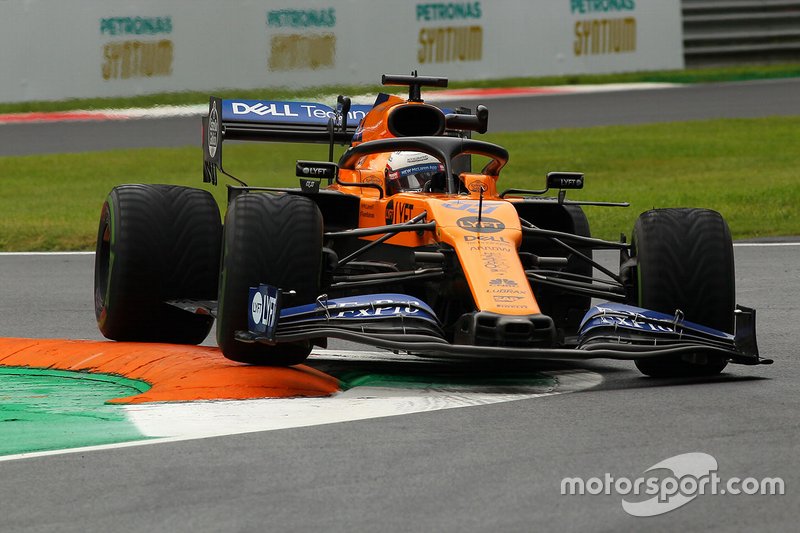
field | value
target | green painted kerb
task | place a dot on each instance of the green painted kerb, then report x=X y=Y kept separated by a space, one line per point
x=500 y=382
x=42 y=409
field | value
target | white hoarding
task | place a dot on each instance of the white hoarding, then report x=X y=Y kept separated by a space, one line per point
x=55 y=49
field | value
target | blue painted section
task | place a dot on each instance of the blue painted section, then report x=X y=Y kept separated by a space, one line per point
x=632 y=318
x=264 y=307
x=277 y=112
x=368 y=306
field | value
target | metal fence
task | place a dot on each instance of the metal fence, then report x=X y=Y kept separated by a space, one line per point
x=725 y=32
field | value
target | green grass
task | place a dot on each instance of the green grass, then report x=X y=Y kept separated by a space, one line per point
x=748 y=169
x=747 y=72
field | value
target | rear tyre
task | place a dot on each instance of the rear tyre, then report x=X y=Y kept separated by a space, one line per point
x=156 y=243
x=271 y=239
x=684 y=260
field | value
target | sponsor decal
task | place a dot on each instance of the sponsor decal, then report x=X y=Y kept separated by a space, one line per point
x=376 y=311
x=488 y=248
x=452 y=43
x=502 y=282
x=397 y=213
x=633 y=323
x=645 y=320
x=606 y=35
x=315 y=171
x=497 y=239
x=505 y=291
x=471 y=206
x=389 y=212
x=135 y=25
x=302 y=18
x=309 y=186
x=371 y=309
x=506 y=298
x=213 y=131
x=614 y=316
x=449 y=11
x=482 y=225
x=262 y=109
x=477 y=186
x=123 y=60
x=264 y=309
x=600 y=6
x=302 y=50
x=375 y=181
x=416 y=169
x=488 y=243
x=288 y=111
x=413 y=158
x=136 y=58
x=366 y=214
x=496 y=264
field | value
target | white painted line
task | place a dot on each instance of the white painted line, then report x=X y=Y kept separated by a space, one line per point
x=43 y=253
x=551 y=90
x=210 y=419
x=763 y=244
x=196 y=110
x=159 y=112
x=175 y=422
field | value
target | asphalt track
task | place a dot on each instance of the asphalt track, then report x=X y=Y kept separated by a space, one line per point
x=496 y=467
x=690 y=102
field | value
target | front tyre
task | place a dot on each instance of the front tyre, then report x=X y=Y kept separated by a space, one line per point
x=271 y=239
x=684 y=260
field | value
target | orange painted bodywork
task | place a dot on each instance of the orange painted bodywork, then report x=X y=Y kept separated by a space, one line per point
x=487 y=247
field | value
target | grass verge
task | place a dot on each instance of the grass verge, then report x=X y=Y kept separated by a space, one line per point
x=745 y=168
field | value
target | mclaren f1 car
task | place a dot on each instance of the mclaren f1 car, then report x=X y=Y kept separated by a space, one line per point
x=400 y=244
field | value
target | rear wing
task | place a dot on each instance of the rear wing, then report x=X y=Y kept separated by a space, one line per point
x=271 y=121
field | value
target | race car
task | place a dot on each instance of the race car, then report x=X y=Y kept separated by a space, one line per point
x=401 y=245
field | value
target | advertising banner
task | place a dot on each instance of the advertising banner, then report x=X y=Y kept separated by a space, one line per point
x=57 y=49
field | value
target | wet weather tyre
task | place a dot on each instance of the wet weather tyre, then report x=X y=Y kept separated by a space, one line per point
x=156 y=243
x=684 y=260
x=271 y=239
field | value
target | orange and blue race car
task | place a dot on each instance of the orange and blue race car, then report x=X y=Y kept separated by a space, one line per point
x=401 y=244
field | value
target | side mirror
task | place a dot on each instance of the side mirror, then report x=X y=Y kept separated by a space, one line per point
x=311 y=173
x=565 y=180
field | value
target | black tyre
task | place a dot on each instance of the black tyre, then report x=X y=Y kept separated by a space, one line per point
x=684 y=260
x=272 y=239
x=156 y=243
x=565 y=309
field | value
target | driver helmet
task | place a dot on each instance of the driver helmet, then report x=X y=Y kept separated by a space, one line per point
x=411 y=171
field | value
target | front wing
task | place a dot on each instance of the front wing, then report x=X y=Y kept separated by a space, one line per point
x=402 y=323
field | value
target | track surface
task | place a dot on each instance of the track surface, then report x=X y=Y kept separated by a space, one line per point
x=496 y=467
x=691 y=102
